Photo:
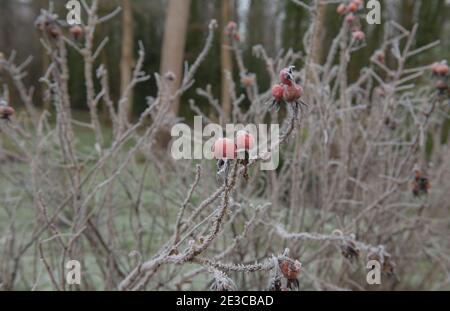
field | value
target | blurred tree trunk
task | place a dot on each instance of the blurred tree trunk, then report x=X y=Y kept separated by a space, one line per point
x=174 y=40
x=127 y=60
x=226 y=58
x=293 y=28
x=318 y=34
x=407 y=13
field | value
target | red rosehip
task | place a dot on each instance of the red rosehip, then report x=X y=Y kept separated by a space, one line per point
x=290 y=268
x=352 y=7
x=76 y=31
x=442 y=69
x=380 y=56
x=224 y=148
x=358 y=35
x=441 y=85
x=350 y=19
x=292 y=93
x=231 y=27
x=244 y=141
x=6 y=112
x=341 y=9
x=248 y=80
x=359 y=4
x=434 y=67
x=287 y=75
x=277 y=92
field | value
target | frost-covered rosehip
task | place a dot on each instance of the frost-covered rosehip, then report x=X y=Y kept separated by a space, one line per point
x=244 y=141
x=231 y=27
x=352 y=7
x=224 y=149
x=380 y=56
x=350 y=19
x=277 y=95
x=76 y=31
x=232 y=31
x=277 y=92
x=287 y=75
x=292 y=93
x=441 y=85
x=358 y=35
x=291 y=271
x=442 y=69
x=341 y=9
x=6 y=111
x=248 y=80
x=358 y=3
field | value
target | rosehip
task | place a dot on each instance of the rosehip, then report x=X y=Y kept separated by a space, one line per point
x=76 y=31
x=248 y=80
x=380 y=56
x=350 y=19
x=231 y=27
x=292 y=93
x=359 y=4
x=287 y=75
x=277 y=92
x=224 y=148
x=358 y=35
x=244 y=141
x=341 y=9
x=352 y=7
x=434 y=67
x=6 y=111
x=442 y=69
x=291 y=271
x=441 y=85
x=290 y=268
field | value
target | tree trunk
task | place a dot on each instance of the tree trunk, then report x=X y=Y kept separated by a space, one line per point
x=226 y=58
x=174 y=40
x=126 y=62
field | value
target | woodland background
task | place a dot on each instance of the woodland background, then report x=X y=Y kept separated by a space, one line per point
x=276 y=24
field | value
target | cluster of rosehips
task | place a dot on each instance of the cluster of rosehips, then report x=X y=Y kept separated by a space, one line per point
x=350 y=10
x=287 y=91
x=6 y=111
x=226 y=150
x=48 y=24
x=232 y=31
x=441 y=74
